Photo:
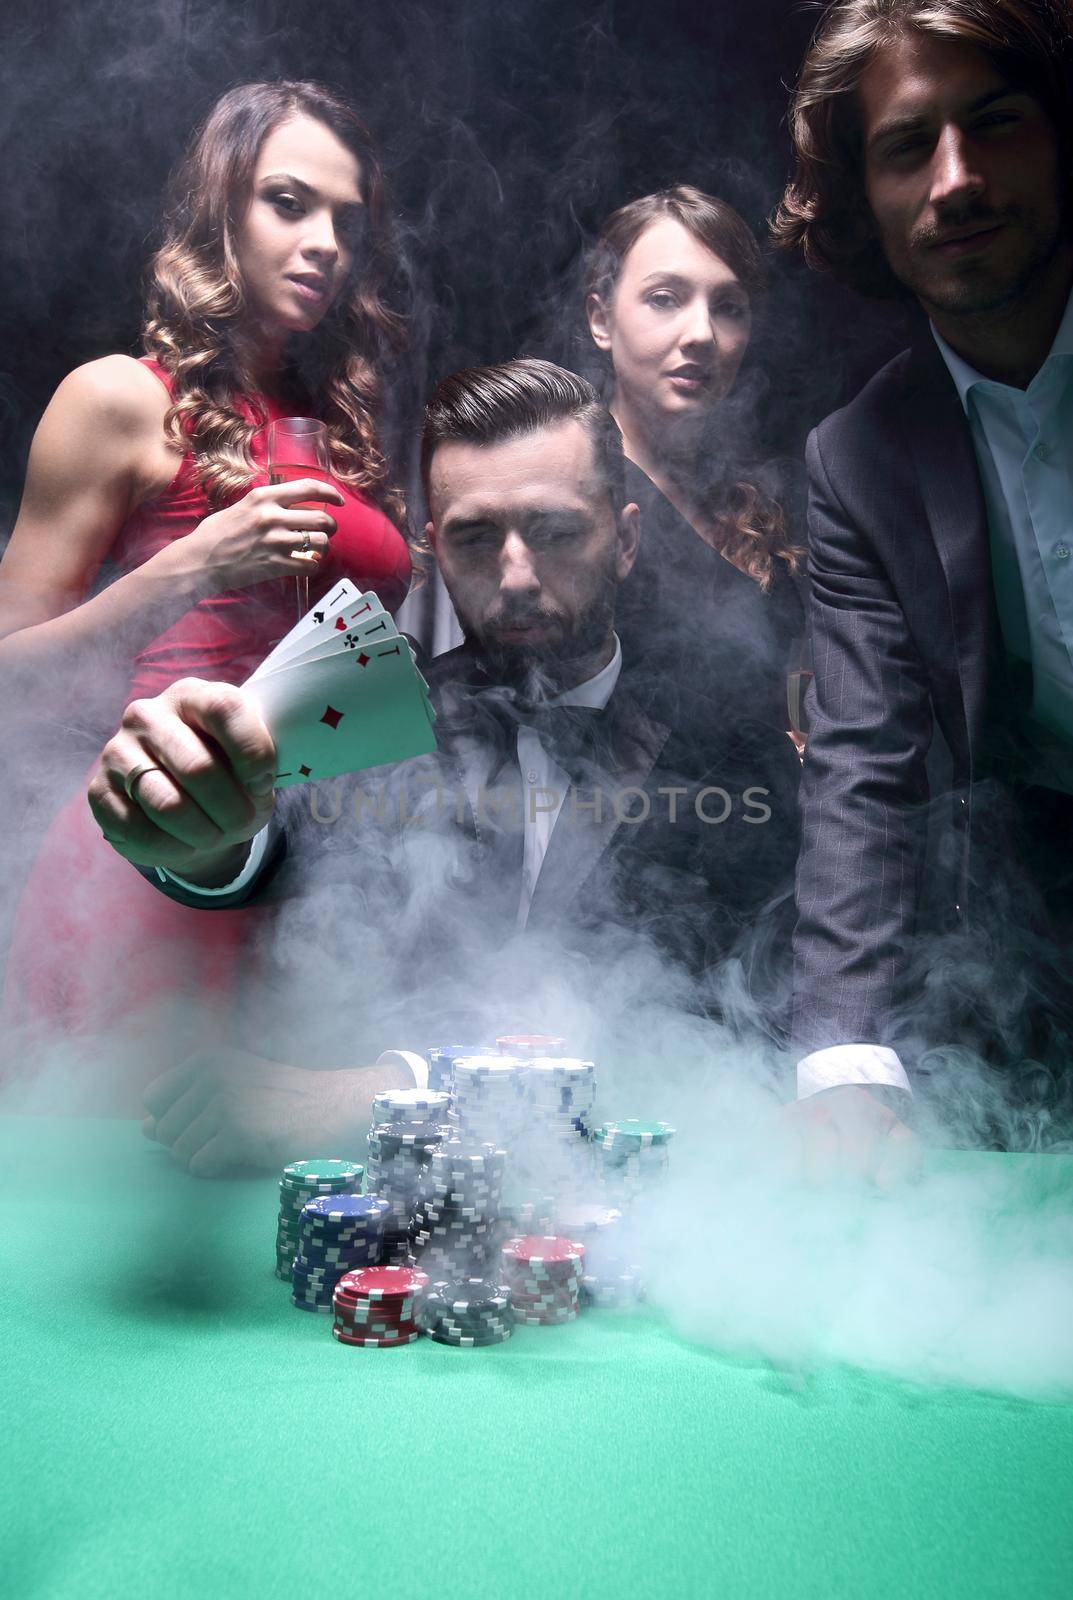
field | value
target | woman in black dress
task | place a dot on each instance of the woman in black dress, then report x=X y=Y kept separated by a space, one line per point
x=714 y=600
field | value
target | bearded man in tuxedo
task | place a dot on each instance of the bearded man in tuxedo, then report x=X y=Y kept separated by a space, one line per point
x=571 y=815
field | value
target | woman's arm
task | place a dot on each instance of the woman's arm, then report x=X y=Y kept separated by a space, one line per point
x=95 y=455
x=98 y=452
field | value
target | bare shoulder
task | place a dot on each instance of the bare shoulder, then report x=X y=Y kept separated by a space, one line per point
x=116 y=390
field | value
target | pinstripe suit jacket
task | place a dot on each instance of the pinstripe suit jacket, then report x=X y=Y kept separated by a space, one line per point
x=905 y=637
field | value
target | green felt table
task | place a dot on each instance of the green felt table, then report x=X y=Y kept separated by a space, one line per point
x=173 y=1427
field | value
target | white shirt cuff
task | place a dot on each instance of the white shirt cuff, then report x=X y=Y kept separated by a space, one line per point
x=841 y=1064
x=253 y=862
x=415 y=1064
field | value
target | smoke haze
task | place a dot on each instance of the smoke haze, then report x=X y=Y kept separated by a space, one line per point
x=509 y=133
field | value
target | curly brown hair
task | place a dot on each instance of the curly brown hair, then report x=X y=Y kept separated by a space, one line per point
x=824 y=211
x=196 y=299
x=751 y=527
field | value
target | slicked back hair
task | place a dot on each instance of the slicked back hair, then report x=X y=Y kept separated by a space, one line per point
x=824 y=211
x=489 y=405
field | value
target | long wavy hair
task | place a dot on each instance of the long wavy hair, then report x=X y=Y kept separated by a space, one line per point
x=824 y=211
x=196 y=300
x=751 y=528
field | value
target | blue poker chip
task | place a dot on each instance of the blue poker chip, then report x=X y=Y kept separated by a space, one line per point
x=359 y=1209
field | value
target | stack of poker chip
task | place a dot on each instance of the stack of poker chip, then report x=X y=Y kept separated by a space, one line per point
x=337 y=1234
x=599 y=1228
x=615 y=1284
x=441 y=1059
x=303 y=1181
x=530 y=1044
x=631 y=1155
x=561 y=1092
x=468 y=1312
x=559 y=1095
x=610 y=1279
x=398 y=1152
x=524 y=1210
x=544 y=1277
x=379 y=1306
x=417 y=1107
x=453 y=1228
x=487 y=1097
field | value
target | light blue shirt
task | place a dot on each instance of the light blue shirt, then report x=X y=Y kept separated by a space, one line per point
x=1023 y=440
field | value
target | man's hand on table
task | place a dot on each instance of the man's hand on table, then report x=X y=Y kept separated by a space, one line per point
x=202 y=763
x=849 y=1133
x=224 y=1110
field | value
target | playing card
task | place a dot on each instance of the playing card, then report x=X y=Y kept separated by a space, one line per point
x=328 y=641
x=300 y=634
x=344 y=712
x=339 y=633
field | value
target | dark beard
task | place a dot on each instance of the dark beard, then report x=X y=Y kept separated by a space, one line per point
x=536 y=672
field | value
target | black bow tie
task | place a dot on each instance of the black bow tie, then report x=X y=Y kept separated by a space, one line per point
x=492 y=715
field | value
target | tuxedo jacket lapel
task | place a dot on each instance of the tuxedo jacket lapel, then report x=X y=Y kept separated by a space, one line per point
x=634 y=742
x=940 y=441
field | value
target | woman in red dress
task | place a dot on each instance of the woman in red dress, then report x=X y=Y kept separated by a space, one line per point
x=266 y=299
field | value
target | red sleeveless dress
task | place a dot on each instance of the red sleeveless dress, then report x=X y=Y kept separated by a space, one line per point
x=101 y=965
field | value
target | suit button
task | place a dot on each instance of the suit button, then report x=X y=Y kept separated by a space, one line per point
x=1042 y=451
x=1061 y=551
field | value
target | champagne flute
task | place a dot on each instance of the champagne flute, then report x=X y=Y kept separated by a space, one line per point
x=298 y=448
x=797 y=682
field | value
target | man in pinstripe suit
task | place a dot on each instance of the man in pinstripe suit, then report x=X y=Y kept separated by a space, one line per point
x=933 y=158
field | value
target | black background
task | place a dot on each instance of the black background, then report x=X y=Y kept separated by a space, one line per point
x=509 y=130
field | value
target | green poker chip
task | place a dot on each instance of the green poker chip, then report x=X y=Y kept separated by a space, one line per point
x=632 y=1133
x=326 y=1170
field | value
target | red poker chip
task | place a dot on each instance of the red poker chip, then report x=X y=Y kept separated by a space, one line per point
x=386 y=1317
x=371 y=1342
x=376 y=1308
x=550 y=1251
x=384 y=1283
x=378 y=1311
x=546 y=1044
x=374 y=1330
x=384 y=1310
x=354 y=1302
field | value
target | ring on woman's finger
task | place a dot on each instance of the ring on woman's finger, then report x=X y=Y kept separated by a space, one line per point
x=136 y=774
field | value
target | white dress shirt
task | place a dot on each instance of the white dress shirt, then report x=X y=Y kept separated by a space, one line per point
x=1023 y=439
x=544 y=783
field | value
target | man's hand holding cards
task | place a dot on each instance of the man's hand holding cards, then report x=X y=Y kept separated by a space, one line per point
x=187 y=779
x=342 y=692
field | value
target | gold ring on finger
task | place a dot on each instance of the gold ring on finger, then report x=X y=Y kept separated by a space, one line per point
x=136 y=774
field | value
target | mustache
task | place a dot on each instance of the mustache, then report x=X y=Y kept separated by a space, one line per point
x=972 y=216
x=521 y=617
